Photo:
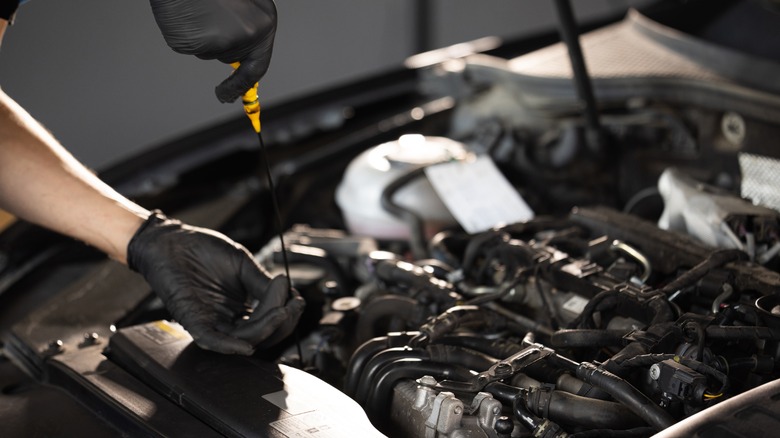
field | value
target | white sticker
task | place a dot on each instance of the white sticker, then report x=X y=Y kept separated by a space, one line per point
x=576 y=304
x=316 y=425
x=477 y=194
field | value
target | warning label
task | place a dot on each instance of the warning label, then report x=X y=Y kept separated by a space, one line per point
x=163 y=332
x=309 y=424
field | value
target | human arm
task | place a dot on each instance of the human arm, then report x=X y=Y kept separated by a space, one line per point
x=207 y=281
x=44 y=184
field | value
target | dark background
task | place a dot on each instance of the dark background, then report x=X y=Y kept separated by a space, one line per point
x=98 y=74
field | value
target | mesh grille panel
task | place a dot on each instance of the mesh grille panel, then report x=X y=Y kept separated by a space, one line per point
x=761 y=179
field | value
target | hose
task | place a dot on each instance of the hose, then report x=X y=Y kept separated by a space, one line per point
x=742 y=332
x=439 y=250
x=381 y=308
x=494 y=348
x=471 y=359
x=522 y=324
x=541 y=428
x=407 y=274
x=412 y=219
x=573 y=385
x=475 y=245
x=526 y=418
x=585 y=338
x=657 y=307
x=700 y=338
x=451 y=320
x=715 y=260
x=502 y=392
x=365 y=352
x=627 y=394
x=376 y=363
x=565 y=408
x=505 y=289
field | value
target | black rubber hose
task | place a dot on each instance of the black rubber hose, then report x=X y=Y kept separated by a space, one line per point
x=585 y=319
x=574 y=410
x=573 y=385
x=504 y=290
x=521 y=323
x=474 y=246
x=742 y=332
x=756 y=364
x=700 y=338
x=500 y=348
x=584 y=338
x=378 y=401
x=439 y=250
x=376 y=363
x=502 y=392
x=365 y=352
x=627 y=394
x=381 y=308
x=715 y=260
x=659 y=308
x=452 y=319
x=526 y=418
x=471 y=359
x=407 y=274
x=412 y=219
x=358 y=360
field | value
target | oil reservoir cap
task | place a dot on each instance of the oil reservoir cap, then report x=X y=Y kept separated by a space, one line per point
x=345 y=304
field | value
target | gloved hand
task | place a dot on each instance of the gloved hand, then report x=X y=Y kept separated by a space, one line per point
x=228 y=30
x=208 y=283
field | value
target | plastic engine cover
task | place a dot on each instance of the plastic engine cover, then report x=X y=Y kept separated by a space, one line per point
x=238 y=396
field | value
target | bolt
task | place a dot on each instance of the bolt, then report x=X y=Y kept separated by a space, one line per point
x=55 y=347
x=90 y=339
x=458 y=410
x=496 y=410
x=655 y=372
x=427 y=381
x=733 y=127
x=503 y=369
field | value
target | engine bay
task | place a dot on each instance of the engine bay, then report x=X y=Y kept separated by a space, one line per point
x=629 y=282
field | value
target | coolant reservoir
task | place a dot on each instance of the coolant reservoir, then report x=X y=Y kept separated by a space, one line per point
x=360 y=191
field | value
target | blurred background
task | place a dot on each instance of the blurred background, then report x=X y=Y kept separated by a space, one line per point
x=99 y=75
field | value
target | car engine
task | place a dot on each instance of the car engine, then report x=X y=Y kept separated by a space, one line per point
x=484 y=250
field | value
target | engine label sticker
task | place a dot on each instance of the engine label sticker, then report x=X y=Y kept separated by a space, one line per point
x=315 y=425
x=163 y=332
x=477 y=194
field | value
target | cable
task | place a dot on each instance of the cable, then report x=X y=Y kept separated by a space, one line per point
x=415 y=222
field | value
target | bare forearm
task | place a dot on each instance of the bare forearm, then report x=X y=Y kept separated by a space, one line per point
x=42 y=183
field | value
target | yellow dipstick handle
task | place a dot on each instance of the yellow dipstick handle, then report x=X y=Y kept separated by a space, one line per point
x=251 y=104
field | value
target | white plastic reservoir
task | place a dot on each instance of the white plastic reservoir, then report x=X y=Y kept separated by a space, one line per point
x=360 y=191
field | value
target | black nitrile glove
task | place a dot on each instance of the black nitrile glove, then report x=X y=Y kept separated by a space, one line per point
x=228 y=30
x=209 y=283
